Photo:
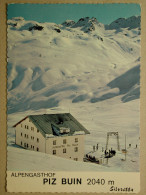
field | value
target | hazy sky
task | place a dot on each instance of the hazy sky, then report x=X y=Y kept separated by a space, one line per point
x=58 y=13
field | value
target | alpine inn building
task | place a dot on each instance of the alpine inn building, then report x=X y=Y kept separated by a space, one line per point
x=57 y=134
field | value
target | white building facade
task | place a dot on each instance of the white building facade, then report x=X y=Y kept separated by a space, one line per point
x=56 y=134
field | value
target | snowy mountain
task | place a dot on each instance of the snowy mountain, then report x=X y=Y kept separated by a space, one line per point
x=77 y=61
x=87 y=68
x=131 y=23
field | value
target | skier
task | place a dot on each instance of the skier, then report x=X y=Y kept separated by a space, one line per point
x=97 y=147
x=109 y=153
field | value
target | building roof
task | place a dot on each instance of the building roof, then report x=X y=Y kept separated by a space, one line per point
x=50 y=124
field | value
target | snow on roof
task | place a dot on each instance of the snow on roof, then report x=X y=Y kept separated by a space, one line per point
x=79 y=133
x=49 y=135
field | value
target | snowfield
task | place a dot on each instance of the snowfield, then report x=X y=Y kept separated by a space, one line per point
x=30 y=161
x=86 y=68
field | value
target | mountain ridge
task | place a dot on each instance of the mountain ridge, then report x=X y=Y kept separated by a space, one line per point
x=87 y=23
x=54 y=62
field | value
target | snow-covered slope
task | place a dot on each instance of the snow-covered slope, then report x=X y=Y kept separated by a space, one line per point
x=86 y=68
x=34 y=161
x=75 y=61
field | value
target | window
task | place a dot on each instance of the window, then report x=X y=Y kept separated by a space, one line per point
x=76 y=149
x=37 y=139
x=64 y=150
x=76 y=139
x=37 y=149
x=54 y=142
x=27 y=145
x=21 y=134
x=54 y=151
x=32 y=128
x=64 y=141
x=76 y=159
x=27 y=127
x=21 y=143
x=37 y=131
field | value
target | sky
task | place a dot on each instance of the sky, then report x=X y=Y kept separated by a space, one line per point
x=58 y=13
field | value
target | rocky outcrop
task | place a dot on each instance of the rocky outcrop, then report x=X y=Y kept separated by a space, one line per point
x=36 y=27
